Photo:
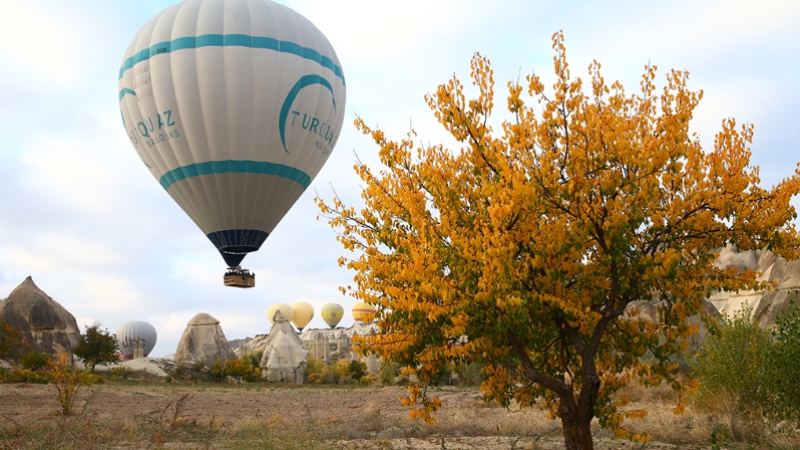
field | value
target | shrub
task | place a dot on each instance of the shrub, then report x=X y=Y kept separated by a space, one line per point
x=218 y=371
x=25 y=376
x=242 y=369
x=470 y=374
x=34 y=360
x=388 y=373
x=316 y=370
x=119 y=373
x=780 y=372
x=254 y=359
x=357 y=369
x=12 y=342
x=730 y=362
x=67 y=381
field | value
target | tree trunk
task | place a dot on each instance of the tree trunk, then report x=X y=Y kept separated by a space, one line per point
x=576 y=418
x=577 y=434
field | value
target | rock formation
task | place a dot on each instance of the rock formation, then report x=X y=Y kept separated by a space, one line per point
x=284 y=357
x=203 y=342
x=327 y=345
x=46 y=325
x=764 y=304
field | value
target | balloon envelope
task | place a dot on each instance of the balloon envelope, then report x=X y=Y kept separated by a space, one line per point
x=361 y=311
x=129 y=331
x=303 y=313
x=285 y=309
x=332 y=313
x=234 y=106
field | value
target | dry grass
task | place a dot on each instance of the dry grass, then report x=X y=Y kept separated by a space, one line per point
x=181 y=419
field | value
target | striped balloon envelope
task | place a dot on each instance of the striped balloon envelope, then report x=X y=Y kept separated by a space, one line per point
x=234 y=106
x=362 y=312
x=128 y=333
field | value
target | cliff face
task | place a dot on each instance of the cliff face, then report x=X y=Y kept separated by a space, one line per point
x=46 y=325
x=765 y=304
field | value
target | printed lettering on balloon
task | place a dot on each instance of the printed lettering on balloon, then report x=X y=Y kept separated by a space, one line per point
x=321 y=128
x=151 y=131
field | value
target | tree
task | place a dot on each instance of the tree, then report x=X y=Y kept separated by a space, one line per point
x=97 y=346
x=12 y=342
x=525 y=249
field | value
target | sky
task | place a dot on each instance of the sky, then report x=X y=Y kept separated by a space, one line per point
x=82 y=216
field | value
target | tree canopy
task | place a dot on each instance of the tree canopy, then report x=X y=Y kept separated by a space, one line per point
x=525 y=247
x=97 y=346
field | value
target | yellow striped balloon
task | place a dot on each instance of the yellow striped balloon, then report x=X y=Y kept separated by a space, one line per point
x=362 y=312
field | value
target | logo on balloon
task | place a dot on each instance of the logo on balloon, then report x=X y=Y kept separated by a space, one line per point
x=326 y=137
x=152 y=131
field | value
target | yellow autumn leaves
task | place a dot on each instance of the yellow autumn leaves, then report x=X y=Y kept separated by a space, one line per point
x=523 y=248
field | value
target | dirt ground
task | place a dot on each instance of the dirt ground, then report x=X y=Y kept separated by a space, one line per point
x=349 y=417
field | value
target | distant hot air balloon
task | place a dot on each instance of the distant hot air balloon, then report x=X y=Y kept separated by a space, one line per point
x=128 y=332
x=234 y=106
x=303 y=313
x=361 y=310
x=285 y=309
x=332 y=313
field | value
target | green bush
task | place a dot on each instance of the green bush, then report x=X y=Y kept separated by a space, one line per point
x=25 y=376
x=316 y=370
x=34 y=360
x=357 y=369
x=242 y=370
x=388 y=373
x=730 y=362
x=119 y=373
x=780 y=372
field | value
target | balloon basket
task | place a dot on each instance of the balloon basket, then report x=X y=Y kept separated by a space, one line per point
x=238 y=277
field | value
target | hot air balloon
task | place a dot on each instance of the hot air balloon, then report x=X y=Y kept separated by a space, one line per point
x=361 y=311
x=285 y=309
x=129 y=332
x=332 y=313
x=303 y=313
x=234 y=106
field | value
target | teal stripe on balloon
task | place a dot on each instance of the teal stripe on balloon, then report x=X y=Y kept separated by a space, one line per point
x=122 y=94
x=231 y=40
x=232 y=166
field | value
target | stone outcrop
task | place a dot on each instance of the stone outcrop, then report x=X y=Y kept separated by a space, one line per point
x=327 y=345
x=46 y=325
x=284 y=358
x=203 y=342
x=330 y=345
x=764 y=304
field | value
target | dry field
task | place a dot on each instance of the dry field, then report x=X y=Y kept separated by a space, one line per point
x=169 y=415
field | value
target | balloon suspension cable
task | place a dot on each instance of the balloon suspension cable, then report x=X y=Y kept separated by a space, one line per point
x=239 y=277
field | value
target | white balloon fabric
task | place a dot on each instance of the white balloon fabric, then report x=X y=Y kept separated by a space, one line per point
x=129 y=331
x=234 y=106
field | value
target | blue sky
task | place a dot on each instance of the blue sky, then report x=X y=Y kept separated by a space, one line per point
x=80 y=213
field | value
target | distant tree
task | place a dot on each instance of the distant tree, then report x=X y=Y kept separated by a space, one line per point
x=12 y=342
x=97 y=346
x=524 y=247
